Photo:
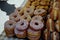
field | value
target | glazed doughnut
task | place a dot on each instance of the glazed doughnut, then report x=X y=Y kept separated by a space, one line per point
x=46 y=34
x=36 y=24
x=22 y=25
x=38 y=7
x=18 y=9
x=9 y=28
x=50 y=24
x=20 y=34
x=57 y=25
x=55 y=36
x=14 y=16
x=26 y=17
x=40 y=12
x=44 y=3
x=33 y=35
x=37 y=18
x=54 y=14
x=36 y=3
x=46 y=7
x=29 y=11
x=28 y=4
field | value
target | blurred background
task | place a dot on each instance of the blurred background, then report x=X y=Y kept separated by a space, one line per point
x=6 y=8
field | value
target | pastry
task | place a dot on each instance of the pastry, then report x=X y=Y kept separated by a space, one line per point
x=9 y=28
x=46 y=34
x=35 y=3
x=40 y=12
x=50 y=25
x=15 y=17
x=57 y=25
x=33 y=35
x=20 y=34
x=55 y=36
x=26 y=17
x=54 y=14
x=22 y=25
x=36 y=24
x=29 y=11
x=44 y=3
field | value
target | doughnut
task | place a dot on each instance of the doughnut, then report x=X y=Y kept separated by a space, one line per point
x=55 y=36
x=44 y=3
x=46 y=34
x=36 y=24
x=35 y=3
x=40 y=12
x=20 y=34
x=57 y=25
x=54 y=14
x=26 y=17
x=15 y=17
x=40 y=18
x=38 y=7
x=18 y=9
x=22 y=25
x=50 y=24
x=46 y=7
x=21 y=13
x=29 y=11
x=28 y=4
x=33 y=35
x=9 y=28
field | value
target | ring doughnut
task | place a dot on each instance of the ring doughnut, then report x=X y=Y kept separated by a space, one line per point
x=9 y=28
x=36 y=25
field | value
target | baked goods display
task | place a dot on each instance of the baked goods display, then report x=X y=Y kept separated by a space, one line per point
x=37 y=19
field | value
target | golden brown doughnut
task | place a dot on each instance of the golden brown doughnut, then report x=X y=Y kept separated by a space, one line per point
x=54 y=14
x=57 y=25
x=50 y=24
x=44 y=3
x=38 y=7
x=36 y=3
x=20 y=34
x=26 y=17
x=33 y=35
x=29 y=11
x=15 y=17
x=28 y=4
x=40 y=12
x=22 y=25
x=36 y=24
x=9 y=28
x=55 y=36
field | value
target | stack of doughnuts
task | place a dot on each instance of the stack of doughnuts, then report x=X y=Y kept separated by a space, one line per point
x=38 y=18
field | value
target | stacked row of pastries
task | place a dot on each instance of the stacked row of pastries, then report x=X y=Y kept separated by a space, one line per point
x=35 y=17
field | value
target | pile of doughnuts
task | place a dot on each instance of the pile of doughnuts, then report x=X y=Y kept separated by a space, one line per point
x=37 y=17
